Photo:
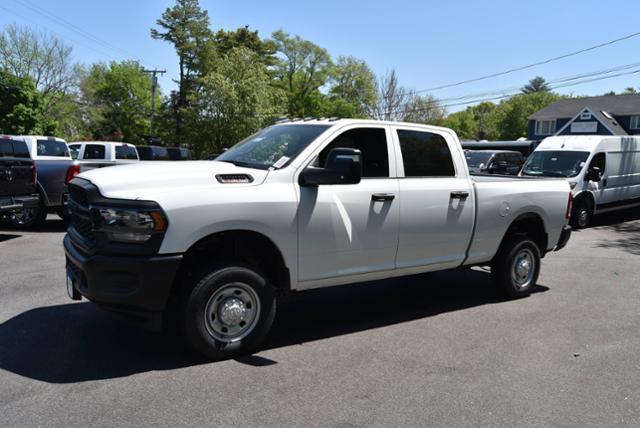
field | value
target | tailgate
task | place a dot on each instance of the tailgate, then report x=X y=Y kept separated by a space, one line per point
x=16 y=176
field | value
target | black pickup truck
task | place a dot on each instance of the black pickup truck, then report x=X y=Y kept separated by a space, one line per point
x=17 y=177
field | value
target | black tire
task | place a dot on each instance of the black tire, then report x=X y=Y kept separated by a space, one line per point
x=582 y=213
x=509 y=270
x=204 y=316
x=27 y=219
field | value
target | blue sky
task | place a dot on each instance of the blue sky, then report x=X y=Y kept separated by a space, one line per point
x=428 y=43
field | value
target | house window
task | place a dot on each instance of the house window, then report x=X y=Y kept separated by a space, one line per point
x=635 y=122
x=585 y=115
x=545 y=127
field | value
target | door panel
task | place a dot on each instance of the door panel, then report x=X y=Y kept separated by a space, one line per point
x=434 y=227
x=343 y=232
x=437 y=202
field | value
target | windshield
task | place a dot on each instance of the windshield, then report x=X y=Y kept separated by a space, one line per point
x=477 y=159
x=555 y=163
x=52 y=148
x=274 y=146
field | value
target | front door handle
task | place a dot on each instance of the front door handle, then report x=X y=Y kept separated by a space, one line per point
x=459 y=195
x=383 y=197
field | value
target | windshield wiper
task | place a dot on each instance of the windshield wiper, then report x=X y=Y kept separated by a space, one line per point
x=553 y=174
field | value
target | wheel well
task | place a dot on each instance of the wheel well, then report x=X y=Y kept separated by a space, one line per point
x=530 y=225
x=244 y=246
x=585 y=196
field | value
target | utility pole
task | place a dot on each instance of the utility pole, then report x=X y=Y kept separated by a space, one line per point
x=154 y=85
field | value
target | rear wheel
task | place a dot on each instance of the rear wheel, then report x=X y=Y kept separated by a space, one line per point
x=28 y=218
x=228 y=312
x=516 y=267
x=582 y=213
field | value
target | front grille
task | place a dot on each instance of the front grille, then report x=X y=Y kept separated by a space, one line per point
x=78 y=195
x=80 y=219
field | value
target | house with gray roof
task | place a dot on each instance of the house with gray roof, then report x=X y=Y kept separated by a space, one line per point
x=605 y=115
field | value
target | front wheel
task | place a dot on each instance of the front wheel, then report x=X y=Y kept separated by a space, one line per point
x=581 y=214
x=28 y=218
x=516 y=267
x=228 y=312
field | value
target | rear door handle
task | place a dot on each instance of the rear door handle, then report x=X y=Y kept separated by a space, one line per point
x=459 y=195
x=383 y=197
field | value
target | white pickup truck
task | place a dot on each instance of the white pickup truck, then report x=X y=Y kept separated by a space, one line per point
x=300 y=205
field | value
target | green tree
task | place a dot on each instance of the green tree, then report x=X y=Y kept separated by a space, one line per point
x=234 y=100
x=45 y=59
x=353 y=81
x=118 y=100
x=21 y=107
x=302 y=69
x=186 y=27
x=537 y=84
x=424 y=109
x=265 y=50
x=483 y=115
x=512 y=115
x=463 y=123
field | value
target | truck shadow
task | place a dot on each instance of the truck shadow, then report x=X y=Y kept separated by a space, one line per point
x=623 y=229
x=78 y=342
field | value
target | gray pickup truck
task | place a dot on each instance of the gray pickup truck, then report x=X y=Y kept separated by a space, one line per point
x=17 y=177
x=55 y=169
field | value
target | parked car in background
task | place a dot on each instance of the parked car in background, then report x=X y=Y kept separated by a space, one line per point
x=17 y=176
x=603 y=171
x=526 y=147
x=98 y=154
x=54 y=168
x=153 y=153
x=297 y=206
x=179 y=153
x=494 y=161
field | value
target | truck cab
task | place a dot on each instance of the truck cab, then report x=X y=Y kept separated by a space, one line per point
x=98 y=154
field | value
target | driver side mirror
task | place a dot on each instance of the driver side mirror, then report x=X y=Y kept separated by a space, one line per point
x=593 y=174
x=343 y=166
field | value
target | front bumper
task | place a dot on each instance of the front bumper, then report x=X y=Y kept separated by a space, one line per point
x=15 y=203
x=564 y=238
x=132 y=286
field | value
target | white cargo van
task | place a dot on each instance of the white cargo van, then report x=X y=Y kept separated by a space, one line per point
x=603 y=171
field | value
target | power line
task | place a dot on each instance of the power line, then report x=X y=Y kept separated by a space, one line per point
x=535 y=64
x=69 y=26
x=55 y=33
x=564 y=79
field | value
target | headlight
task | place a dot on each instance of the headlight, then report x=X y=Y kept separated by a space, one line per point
x=126 y=225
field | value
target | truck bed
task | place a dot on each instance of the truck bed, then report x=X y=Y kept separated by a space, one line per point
x=502 y=199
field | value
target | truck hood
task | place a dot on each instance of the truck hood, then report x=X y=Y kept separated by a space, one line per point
x=144 y=179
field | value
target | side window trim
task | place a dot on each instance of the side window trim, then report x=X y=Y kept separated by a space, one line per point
x=455 y=154
x=391 y=151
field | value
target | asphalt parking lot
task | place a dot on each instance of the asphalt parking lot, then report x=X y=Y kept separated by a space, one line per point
x=432 y=350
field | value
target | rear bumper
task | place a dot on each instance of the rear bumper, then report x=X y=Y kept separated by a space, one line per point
x=134 y=287
x=14 y=203
x=564 y=238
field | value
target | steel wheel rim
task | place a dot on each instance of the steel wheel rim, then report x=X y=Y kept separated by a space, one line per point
x=232 y=312
x=523 y=268
x=583 y=217
x=23 y=217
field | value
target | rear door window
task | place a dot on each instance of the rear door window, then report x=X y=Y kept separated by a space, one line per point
x=52 y=148
x=126 y=152
x=94 y=151
x=425 y=154
x=6 y=148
